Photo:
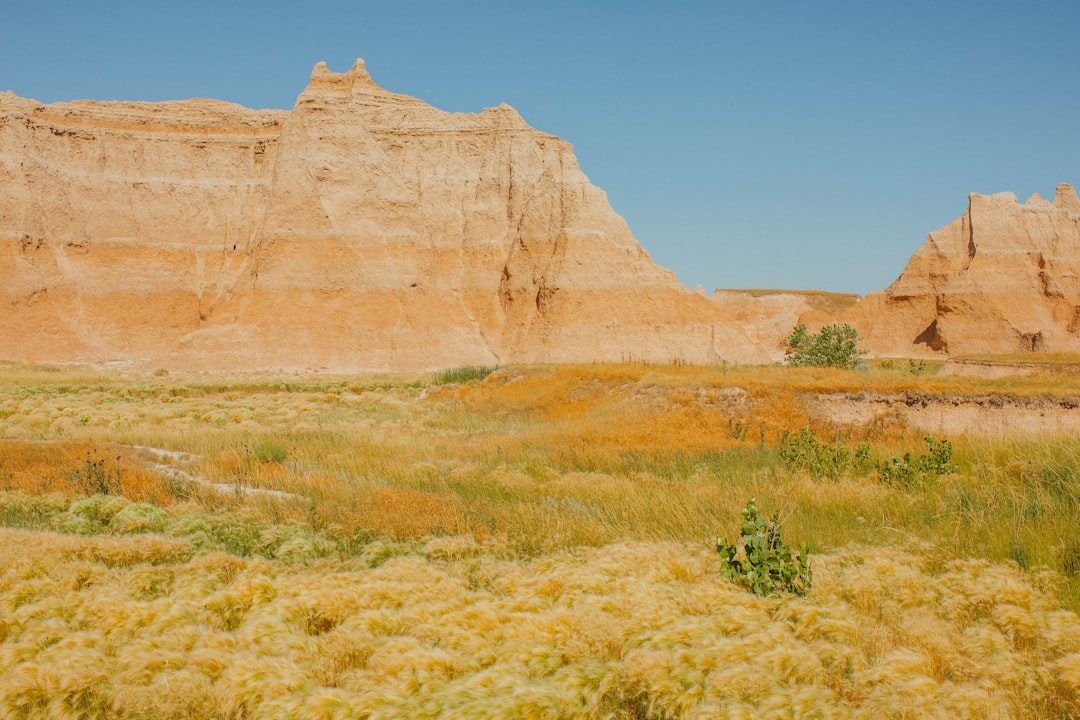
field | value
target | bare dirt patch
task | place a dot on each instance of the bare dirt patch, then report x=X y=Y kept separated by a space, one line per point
x=988 y=416
x=1053 y=364
x=171 y=464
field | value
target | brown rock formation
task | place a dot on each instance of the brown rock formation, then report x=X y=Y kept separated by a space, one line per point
x=1002 y=278
x=361 y=230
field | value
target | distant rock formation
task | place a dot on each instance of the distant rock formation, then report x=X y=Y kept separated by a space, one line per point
x=1002 y=278
x=768 y=316
x=361 y=230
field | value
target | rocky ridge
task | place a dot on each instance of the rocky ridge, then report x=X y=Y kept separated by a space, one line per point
x=1002 y=278
x=361 y=230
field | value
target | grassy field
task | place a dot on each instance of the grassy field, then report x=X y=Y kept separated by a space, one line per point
x=528 y=542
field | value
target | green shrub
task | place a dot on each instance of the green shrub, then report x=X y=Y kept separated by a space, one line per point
x=908 y=470
x=833 y=346
x=90 y=515
x=803 y=451
x=760 y=561
x=17 y=509
x=270 y=451
x=915 y=367
x=294 y=543
x=466 y=373
x=139 y=518
x=208 y=533
x=77 y=525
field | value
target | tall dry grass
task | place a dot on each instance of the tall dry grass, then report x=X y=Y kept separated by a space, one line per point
x=540 y=459
x=629 y=630
x=73 y=468
x=535 y=543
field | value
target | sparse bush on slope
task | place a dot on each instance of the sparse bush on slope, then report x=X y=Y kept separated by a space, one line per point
x=803 y=451
x=907 y=470
x=832 y=346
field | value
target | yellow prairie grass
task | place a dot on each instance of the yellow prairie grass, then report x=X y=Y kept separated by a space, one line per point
x=533 y=544
x=627 y=630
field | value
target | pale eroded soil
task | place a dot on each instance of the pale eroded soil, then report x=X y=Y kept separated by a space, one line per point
x=992 y=416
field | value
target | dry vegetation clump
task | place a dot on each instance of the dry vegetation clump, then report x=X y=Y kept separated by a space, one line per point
x=78 y=468
x=528 y=542
x=629 y=630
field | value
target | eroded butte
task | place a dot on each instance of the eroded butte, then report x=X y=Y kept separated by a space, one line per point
x=363 y=229
x=1002 y=278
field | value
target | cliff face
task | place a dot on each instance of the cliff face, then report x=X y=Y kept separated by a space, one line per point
x=118 y=221
x=1002 y=278
x=360 y=230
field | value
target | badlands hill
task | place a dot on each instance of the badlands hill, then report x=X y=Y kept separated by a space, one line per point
x=1002 y=278
x=361 y=230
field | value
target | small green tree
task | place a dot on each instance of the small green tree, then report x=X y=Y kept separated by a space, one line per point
x=834 y=346
x=760 y=561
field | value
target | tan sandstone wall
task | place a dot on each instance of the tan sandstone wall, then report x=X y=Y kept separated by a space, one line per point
x=361 y=230
x=1002 y=278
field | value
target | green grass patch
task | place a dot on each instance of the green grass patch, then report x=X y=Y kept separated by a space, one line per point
x=464 y=374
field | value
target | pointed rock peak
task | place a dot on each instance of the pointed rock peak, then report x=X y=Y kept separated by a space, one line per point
x=327 y=82
x=1065 y=198
x=359 y=71
x=1037 y=200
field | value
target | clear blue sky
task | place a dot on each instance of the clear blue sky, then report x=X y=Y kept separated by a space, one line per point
x=748 y=144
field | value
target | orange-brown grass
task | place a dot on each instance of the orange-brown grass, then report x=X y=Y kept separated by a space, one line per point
x=630 y=630
x=545 y=458
x=400 y=513
x=613 y=409
x=74 y=468
x=609 y=411
x=696 y=408
x=827 y=380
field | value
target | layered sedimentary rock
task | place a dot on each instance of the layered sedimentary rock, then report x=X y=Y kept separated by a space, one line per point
x=768 y=316
x=361 y=230
x=1002 y=278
